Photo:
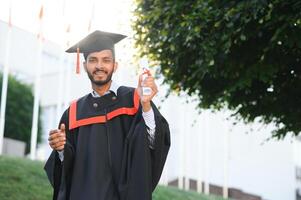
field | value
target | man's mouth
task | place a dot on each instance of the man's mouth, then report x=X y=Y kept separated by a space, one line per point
x=99 y=72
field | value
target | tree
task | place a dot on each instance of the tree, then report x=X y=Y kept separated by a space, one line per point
x=19 y=110
x=240 y=55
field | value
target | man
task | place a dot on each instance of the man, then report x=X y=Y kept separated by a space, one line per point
x=111 y=143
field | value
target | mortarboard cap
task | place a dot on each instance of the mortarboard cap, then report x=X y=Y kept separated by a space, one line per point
x=96 y=41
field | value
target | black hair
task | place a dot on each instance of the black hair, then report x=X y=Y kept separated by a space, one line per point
x=87 y=53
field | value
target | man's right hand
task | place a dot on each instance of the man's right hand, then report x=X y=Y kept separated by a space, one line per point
x=57 y=138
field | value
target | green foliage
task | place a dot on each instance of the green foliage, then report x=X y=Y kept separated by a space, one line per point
x=19 y=110
x=24 y=179
x=240 y=55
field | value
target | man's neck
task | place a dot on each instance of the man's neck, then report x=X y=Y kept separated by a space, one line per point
x=101 y=90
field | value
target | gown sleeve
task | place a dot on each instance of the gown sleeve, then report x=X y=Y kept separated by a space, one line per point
x=142 y=166
x=58 y=170
x=161 y=147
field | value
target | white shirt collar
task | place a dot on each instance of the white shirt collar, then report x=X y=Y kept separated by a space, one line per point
x=113 y=88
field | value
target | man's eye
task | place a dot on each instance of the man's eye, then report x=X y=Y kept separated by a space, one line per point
x=92 y=60
x=107 y=60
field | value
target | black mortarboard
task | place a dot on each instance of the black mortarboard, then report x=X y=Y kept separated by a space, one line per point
x=96 y=41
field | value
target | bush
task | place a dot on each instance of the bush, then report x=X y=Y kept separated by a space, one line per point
x=19 y=111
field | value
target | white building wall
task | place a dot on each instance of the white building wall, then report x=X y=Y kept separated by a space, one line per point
x=256 y=166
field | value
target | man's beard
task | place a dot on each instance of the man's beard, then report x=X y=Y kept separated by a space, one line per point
x=100 y=82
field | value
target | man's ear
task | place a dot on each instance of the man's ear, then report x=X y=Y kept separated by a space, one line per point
x=115 y=66
x=85 y=65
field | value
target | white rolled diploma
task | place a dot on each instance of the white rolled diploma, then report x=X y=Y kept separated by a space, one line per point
x=145 y=69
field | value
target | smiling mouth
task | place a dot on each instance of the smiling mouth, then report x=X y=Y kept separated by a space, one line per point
x=100 y=72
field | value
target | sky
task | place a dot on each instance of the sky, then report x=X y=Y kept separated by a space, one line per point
x=113 y=15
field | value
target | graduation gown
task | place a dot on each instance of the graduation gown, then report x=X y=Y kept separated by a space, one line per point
x=107 y=154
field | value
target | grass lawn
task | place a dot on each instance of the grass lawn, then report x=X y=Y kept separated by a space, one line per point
x=171 y=193
x=23 y=179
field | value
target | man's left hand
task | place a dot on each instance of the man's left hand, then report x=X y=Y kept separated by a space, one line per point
x=145 y=100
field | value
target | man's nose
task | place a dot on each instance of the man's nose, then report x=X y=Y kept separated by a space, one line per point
x=99 y=65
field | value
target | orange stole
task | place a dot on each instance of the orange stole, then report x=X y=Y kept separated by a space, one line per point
x=74 y=123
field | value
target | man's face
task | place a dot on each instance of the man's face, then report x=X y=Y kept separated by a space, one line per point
x=100 y=67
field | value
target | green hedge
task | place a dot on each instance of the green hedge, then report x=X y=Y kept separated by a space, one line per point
x=19 y=110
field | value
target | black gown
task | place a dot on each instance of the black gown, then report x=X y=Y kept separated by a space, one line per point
x=107 y=154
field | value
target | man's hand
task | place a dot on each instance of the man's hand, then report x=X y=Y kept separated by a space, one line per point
x=146 y=99
x=57 y=138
